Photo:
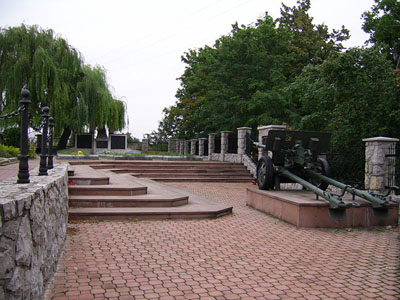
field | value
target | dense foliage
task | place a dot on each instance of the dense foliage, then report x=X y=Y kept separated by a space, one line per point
x=240 y=80
x=291 y=71
x=78 y=95
x=383 y=25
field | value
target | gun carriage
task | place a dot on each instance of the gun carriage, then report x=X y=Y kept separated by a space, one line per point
x=300 y=157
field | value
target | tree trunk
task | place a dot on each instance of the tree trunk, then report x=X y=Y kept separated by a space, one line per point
x=62 y=143
x=102 y=133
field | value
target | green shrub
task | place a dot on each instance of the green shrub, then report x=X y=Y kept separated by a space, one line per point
x=32 y=151
x=12 y=136
x=8 y=151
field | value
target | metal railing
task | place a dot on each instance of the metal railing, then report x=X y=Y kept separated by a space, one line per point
x=251 y=148
x=393 y=167
x=46 y=157
x=232 y=143
x=217 y=144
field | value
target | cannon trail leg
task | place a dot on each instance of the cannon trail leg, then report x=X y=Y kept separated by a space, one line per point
x=337 y=208
x=380 y=205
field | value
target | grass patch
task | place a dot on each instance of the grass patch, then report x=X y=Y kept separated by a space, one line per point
x=73 y=152
x=146 y=153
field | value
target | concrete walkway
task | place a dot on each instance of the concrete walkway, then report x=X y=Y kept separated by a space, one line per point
x=248 y=255
x=11 y=170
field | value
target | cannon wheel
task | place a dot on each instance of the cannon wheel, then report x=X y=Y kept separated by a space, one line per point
x=265 y=173
x=323 y=169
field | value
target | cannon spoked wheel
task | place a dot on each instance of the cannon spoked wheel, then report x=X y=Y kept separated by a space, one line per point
x=265 y=173
x=323 y=168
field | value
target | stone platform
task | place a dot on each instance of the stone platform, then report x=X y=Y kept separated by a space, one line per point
x=301 y=208
x=101 y=194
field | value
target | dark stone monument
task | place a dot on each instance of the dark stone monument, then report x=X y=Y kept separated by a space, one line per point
x=102 y=144
x=118 y=142
x=84 y=141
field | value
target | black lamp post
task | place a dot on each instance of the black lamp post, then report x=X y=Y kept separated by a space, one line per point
x=23 y=171
x=51 y=131
x=43 y=154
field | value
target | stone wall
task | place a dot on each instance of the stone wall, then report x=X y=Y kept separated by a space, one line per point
x=250 y=165
x=33 y=225
x=377 y=164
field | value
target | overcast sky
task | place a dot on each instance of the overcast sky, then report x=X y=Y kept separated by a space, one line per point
x=140 y=43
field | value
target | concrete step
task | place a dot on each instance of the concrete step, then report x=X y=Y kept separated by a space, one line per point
x=128 y=201
x=171 y=167
x=181 y=170
x=201 y=179
x=109 y=190
x=152 y=164
x=71 y=172
x=128 y=197
x=85 y=175
x=87 y=180
x=140 y=213
x=191 y=175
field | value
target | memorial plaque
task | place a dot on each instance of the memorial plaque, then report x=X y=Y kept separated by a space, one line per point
x=84 y=141
x=102 y=144
x=118 y=142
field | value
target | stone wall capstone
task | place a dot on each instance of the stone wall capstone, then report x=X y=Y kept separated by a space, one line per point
x=263 y=131
x=33 y=230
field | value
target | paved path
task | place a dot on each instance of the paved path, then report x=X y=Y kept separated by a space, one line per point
x=248 y=255
x=11 y=170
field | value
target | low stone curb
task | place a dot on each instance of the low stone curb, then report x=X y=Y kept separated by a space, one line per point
x=6 y=161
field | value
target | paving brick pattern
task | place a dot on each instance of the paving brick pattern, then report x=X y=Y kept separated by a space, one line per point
x=248 y=255
x=11 y=170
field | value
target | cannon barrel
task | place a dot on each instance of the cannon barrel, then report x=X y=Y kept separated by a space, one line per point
x=337 y=208
x=379 y=205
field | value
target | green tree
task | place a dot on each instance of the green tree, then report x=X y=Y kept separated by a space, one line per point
x=78 y=95
x=309 y=43
x=352 y=95
x=382 y=22
x=239 y=81
x=102 y=108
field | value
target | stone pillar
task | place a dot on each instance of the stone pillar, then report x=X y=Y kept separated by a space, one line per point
x=201 y=146
x=169 y=146
x=173 y=146
x=187 y=147
x=263 y=131
x=224 y=141
x=145 y=145
x=193 y=146
x=181 y=147
x=377 y=165
x=242 y=131
x=211 y=144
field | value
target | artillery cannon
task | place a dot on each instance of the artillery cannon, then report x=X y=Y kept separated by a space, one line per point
x=300 y=157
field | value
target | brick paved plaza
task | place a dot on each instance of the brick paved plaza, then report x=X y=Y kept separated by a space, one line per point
x=248 y=255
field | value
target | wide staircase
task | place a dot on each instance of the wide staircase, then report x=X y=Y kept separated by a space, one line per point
x=99 y=191
x=168 y=171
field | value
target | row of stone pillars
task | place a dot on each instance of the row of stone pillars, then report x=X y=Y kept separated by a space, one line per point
x=186 y=147
x=380 y=153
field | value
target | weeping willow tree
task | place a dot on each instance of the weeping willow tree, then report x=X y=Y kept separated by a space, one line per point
x=116 y=115
x=47 y=64
x=78 y=95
